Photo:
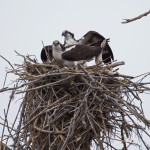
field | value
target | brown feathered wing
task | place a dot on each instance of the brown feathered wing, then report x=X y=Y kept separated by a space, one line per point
x=93 y=37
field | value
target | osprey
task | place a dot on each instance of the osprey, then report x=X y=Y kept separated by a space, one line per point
x=71 y=55
x=93 y=38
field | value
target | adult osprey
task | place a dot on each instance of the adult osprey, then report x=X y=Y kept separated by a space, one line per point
x=71 y=55
x=91 y=37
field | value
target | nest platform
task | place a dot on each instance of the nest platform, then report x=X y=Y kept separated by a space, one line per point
x=69 y=108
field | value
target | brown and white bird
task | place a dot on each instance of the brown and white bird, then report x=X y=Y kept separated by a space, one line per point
x=90 y=38
x=71 y=55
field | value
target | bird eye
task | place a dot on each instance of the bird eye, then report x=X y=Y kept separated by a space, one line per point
x=66 y=31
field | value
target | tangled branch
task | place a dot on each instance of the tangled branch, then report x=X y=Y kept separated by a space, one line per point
x=69 y=108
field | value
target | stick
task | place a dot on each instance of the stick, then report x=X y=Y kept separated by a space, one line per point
x=47 y=55
x=5 y=80
x=7 y=61
x=6 y=116
x=139 y=17
x=49 y=84
x=141 y=75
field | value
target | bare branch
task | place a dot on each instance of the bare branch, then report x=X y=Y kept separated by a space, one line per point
x=139 y=17
x=7 y=61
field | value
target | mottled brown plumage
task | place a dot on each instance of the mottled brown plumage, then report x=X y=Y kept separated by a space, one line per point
x=90 y=38
x=82 y=52
x=93 y=37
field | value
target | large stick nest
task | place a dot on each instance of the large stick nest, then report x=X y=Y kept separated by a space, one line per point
x=68 y=108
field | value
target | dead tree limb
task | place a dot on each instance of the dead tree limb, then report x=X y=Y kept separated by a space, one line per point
x=136 y=18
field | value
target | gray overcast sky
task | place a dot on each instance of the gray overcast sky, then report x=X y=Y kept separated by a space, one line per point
x=24 y=24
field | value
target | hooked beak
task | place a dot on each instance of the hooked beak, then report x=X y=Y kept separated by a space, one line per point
x=64 y=34
x=56 y=44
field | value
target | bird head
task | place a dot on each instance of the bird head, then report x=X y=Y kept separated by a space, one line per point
x=67 y=33
x=56 y=43
x=57 y=46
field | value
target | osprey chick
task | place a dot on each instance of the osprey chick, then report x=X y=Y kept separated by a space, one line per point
x=57 y=50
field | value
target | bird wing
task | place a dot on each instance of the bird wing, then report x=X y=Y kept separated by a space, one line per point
x=93 y=38
x=81 y=52
x=49 y=51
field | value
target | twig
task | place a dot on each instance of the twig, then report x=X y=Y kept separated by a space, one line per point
x=6 y=115
x=5 y=80
x=19 y=54
x=7 y=61
x=49 y=84
x=47 y=55
x=8 y=126
x=139 y=17
x=141 y=75
x=14 y=122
